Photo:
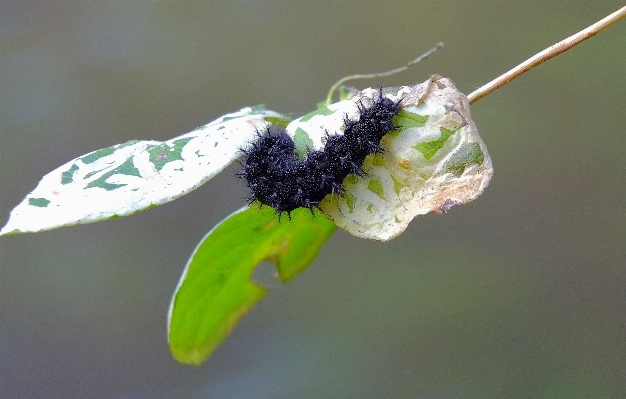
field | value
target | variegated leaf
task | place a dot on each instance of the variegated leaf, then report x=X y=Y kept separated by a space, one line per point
x=137 y=175
x=435 y=161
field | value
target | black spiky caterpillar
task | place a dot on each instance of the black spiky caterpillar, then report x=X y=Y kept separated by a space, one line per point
x=276 y=177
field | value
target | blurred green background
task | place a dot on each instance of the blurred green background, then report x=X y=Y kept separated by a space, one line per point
x=521 y=294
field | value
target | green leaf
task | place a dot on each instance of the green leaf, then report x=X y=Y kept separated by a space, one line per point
x=216 y=288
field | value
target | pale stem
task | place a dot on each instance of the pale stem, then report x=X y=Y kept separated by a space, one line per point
x=329 y=97
x=546 y=54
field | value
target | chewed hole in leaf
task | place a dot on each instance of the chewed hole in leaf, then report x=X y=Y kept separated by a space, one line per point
x=265 y=274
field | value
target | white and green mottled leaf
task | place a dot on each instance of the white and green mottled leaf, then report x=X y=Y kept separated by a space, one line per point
x=435 y=161
x=128 y=178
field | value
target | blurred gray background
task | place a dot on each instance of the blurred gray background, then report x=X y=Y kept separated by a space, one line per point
x=521 y=294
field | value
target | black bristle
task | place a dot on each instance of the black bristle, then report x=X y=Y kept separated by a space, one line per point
x=277 y=178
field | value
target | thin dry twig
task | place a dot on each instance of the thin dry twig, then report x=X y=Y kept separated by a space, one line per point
x=546 y=54
x=329 y=97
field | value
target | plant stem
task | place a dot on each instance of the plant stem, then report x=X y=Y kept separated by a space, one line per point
x=546 y=54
